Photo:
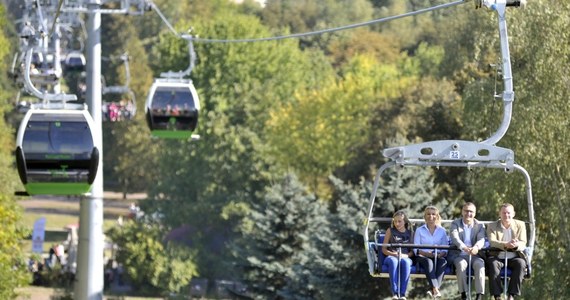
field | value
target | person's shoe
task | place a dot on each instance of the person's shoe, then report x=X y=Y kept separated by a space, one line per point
x=437 y=295
x=395 y=297
x=498 y=297
x=511 y=297
x=479 y=297
x=430 y=294
x=463 y=296
x=402 y=298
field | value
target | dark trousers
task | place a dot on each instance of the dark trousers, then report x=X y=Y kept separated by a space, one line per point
x=494 y=266
x=434 y=271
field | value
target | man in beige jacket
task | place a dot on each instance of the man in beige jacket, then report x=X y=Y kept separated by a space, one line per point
x=508 y=238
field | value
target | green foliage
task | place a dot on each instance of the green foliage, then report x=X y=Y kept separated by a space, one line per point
x=13 y=272
x=8 y=177
x=317 y=133
x=12 y=263
x=151 y=264
x=336 y=257
x=229 y=165
x=273 y=234
x=128 y=150
x=312 y=15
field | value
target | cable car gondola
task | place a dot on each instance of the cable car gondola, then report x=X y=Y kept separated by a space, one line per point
x=75 y=61
x=172 y=108
x=56 y=152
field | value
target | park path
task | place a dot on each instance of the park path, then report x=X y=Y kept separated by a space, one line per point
x=113 y=203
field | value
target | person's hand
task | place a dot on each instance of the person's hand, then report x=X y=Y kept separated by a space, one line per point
x=512 y=244
x=474 y=250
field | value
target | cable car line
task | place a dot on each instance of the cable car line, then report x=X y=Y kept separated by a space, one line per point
x=305 y=34
x=58 y=11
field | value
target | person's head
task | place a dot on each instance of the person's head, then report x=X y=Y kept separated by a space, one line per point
x=507 y=213
x=431 y=215
x=468 y=213
x=400 y=220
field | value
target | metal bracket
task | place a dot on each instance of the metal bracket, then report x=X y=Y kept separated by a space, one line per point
x=450 y=151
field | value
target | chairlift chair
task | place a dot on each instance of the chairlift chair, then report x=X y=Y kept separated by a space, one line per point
x=122 y=110
x=119 y=101
x=172 y=108
x=56 y=152
x=458 y=153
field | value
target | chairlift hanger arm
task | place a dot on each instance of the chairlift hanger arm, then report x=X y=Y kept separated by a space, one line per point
x=508 y=94
x=182 y=74
x=34 y=91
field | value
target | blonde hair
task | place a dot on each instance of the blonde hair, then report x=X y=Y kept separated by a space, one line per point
x=438 y=217
x=403 y=214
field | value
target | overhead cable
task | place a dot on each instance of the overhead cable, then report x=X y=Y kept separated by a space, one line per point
x=305 y=34
x=56 y=16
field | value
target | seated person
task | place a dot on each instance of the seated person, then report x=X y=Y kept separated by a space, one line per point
x=509 y=237
x=433 y=262
x=399 y=263
x=468 y=235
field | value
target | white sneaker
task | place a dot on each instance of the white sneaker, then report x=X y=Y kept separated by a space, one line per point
x=430 y=294
x=395 y=297
x=402 y=298
x=437 y=295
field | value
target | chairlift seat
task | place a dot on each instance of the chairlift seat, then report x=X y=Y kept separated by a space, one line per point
x=381 y=270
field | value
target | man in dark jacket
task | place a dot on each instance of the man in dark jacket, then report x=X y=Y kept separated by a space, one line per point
x=468 y=235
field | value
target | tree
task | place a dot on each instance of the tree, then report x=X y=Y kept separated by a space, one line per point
x=13 y=265
x=316 y=134
x=12 y=262
x=274 y=234
x=312 y=15
x=153 y=265
x=336 y=257
x=227 y=168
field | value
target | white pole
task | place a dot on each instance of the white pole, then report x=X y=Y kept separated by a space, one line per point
x=469 y=278
x=89 y=285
